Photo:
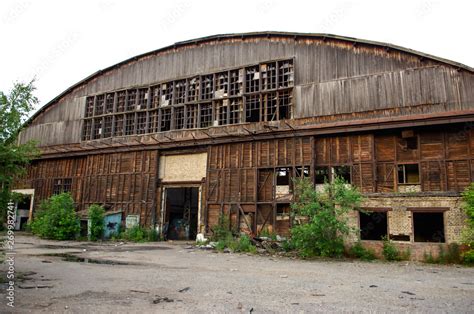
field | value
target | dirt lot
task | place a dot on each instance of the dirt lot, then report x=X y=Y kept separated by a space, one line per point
x=174 y=277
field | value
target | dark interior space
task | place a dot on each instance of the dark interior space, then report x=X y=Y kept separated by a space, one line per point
x=181 y=219
x=373 y=225
x=428 y=227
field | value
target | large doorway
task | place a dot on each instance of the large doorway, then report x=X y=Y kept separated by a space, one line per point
x=181 y=213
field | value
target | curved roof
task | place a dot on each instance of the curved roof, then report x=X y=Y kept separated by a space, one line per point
x=267 y=34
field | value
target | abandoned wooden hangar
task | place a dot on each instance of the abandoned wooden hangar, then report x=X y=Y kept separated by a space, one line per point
x=221 y=124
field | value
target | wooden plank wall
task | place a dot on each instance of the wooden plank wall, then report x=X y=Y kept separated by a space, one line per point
x=119 y=181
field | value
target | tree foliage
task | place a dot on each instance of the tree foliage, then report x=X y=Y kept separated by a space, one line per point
x=322 y=234
x=96 y=218
x=56 y=218
x=468 y=231
x=14 y=109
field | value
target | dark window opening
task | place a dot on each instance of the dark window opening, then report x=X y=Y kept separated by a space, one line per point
x=97 y=128
x=428 y=227
x=89 y=106
x=62 y=185
x=207 y=87
x=121 y=101
x=373 y=225
x=283 y=209
x=179 y=118
x=411 y=143
x=141 y=123
x=235 y=108
x=142 y=99
x=285 y=73
x=191 y=118
x=118 y=125
x=321 y=175
x=235 y=82
x=131 y=99
x=107 y=126
x=99 y=105
x=408 y=174
x=252 y=79
x=109 y=103
x=283 y=176
x=269 y=75
x=399 y=237
x=284 y=99
x=302 y=172
x=193 y=89
x=252 y=109
x=343 y=172
x=166 y=94
x=165 y=120
x=129 y=124
x=206 y=115
x=180 y=87
x=270 y=101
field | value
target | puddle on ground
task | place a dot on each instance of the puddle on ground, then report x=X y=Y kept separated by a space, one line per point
x=73 y=258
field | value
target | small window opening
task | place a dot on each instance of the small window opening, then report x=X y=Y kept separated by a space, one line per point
x=191 y=118
x=428 y=227
x=179 y=118
x=207 y=87
x=222 y=85
x=283 y=176
x=321 y=175
x=284 y=100
x=302 y=172
x=166 y=94
x=222 y=110
x=270 y=101
x=235 y=108
x=141 y=123
x=165 y=119
x=252 y=109
x=142 y=99
x=408 y=174
x=269 y=75
x=180 y=87
x=193 y=89
x=285 y=73
x=62 y=185
x=283 y=209
x=373 y=225
x=206 y=115
x=252 y=79
x=235 y=82
x=343 y=172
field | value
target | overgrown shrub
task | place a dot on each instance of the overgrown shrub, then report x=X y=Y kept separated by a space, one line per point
x=326 y=212
x=391 y=253
x=221 y=231
x=358 y=251
x=56 y=219
x=139 y=234
x=451 y=256
x=468 y=231
x=96 y=218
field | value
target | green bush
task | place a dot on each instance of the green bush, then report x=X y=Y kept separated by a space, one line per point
x=323 y=233
x=451 y=256
x=468 y=231
x=391 y=253
x=468 y=257
x=96 y=218
x=56 y=219
x=221 y=231
x=358 y=251
x=139 y=234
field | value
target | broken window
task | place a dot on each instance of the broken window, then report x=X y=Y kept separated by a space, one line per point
x=321 y=175
x=62 y=186
x=234 y=110
x=408 y=174
x=222 y=84
x=179 y=118
x=428 y=226
x=109 y=103
x=165 y=124
x=270 y=105
x=193 y=89
x=153 y=124
x=121 y=101
x=191 y=116
x=285 y=73
x=283 y=176
x=118 y=128
x=373 y=225
x=99 y=105
x=180 y=87
x=207 y=87
x=97 y=128
x=129 y=124
x=235 y=82
x=108 y=126
x=166 y=94
x=252 y=79
x=205 y=115
x=252 y=108
x=142 y=98
x=87 y=130
x=89 y=106
x=222 y=112
x=343 y=172
x=155 y=94
x=302 y=171
x=284 y=101
x=269 y=75
x=141 y=123
x=131 y=99
x=283 y=210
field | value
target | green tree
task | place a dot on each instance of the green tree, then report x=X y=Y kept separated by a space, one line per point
x=96 y=218
x=326 y=214
x=468 y=231
x=14 y=110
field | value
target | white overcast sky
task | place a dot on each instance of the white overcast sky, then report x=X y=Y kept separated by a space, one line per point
x=62 y=42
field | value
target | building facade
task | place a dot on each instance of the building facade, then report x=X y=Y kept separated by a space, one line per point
x=221 y=124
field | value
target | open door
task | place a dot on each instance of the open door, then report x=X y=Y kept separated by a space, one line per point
x=181 y=213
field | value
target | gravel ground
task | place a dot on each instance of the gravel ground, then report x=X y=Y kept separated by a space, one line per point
x=174 y=277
